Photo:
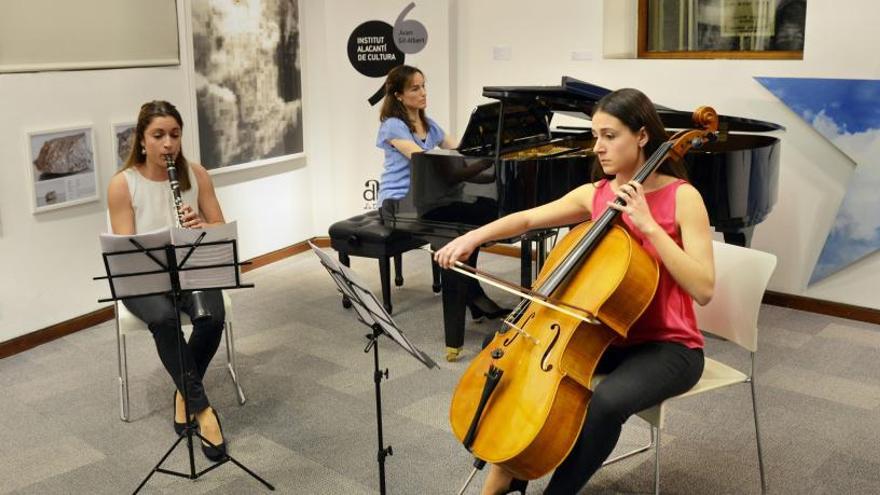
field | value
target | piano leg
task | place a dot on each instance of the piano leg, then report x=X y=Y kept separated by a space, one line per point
x=435 y=273
x=525 y=262
x=454 y=293
x=454 y=288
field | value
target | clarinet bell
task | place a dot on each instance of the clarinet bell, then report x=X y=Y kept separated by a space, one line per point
x=200 y=311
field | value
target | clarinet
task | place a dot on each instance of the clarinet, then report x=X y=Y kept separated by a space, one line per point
x=200 y=310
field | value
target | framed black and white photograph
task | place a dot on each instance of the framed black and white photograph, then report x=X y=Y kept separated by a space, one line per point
x=62 y=167
x=122 y=137
x=246 y=58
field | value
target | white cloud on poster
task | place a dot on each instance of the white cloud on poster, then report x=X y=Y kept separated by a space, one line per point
x=824 y=124
x=858 y=217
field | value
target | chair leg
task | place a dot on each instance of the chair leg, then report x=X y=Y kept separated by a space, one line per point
x=758 y=438
x=122 y=358
x=230 y=362
x=385 y=277
x=655 y=435
x=398 y=270
x=633 y=452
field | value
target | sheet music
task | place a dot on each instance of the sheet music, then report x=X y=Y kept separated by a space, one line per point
x=206 y=255
x=137 y=262
x=368 y=308
x=122 y=264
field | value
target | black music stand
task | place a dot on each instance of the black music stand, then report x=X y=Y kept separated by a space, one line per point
x=372 y=313
x=164 y=261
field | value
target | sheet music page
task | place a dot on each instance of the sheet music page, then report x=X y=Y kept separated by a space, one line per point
x=137 y=262
x=205 y=256
x=372 y=310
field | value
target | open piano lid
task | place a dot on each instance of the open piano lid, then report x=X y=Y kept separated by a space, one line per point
x=579 y=98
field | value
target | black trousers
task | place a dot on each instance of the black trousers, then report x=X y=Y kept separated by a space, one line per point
x=158 y=313
x=639 y=377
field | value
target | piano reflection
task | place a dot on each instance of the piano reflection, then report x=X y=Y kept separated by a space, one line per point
x=511 y=159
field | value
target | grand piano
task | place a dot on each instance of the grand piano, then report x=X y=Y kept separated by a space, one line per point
x=510 y=158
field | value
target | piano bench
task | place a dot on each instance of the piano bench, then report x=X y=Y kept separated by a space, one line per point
x=366 y=236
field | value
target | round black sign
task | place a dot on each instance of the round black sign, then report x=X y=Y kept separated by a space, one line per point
x=372 y=50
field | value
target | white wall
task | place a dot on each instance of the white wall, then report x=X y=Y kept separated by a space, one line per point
x=347 y=144
x=47 y=260
x=840 y=43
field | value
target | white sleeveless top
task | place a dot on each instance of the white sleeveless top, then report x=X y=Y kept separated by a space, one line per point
x=153 y=203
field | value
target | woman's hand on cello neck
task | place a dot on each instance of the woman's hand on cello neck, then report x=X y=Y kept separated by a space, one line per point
x=635 y=207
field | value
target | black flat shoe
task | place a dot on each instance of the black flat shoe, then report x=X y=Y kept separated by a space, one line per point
x=483 y=307
x=517 y=486
x=217 y=453
x=179 y=427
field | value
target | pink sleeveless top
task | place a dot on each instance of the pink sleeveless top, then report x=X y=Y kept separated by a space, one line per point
x=670 y=316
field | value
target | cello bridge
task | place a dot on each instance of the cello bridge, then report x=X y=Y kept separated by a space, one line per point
x=522 y=332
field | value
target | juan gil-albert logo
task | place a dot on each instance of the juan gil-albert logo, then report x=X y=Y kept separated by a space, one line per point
x=376 y=47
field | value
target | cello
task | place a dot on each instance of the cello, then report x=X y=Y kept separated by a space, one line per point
x=522 y=401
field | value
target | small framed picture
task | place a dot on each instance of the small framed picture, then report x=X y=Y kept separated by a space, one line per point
x=123 y=139
x=62 y=167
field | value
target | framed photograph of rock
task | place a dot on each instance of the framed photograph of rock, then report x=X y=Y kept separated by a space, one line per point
x=122 y=136
x=62 y=167
x=247 y=82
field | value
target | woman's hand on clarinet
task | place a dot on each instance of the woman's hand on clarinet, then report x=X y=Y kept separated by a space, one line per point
x=635 y=207
x=189 y=218
x=458 y=250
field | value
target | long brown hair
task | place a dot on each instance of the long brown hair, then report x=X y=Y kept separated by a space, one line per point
x=636 y=111
x=137 y=156
x=396 y=82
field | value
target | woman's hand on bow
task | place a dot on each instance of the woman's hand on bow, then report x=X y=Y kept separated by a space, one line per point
x=458 y=249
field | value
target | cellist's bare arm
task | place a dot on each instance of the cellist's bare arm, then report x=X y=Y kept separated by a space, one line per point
x=692 y=265
x=572 y=208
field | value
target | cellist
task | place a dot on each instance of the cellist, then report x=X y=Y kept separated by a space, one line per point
x=662 y=355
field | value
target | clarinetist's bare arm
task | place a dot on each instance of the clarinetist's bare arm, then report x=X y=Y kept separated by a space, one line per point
x=119 y=206
x=209 y=207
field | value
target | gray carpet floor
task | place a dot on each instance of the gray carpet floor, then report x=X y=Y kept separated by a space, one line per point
x=309 y=424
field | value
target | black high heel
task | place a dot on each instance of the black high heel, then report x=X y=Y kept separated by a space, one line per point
x=179 y=427
x=483 y=307
x=518 y=486
x=217 y=453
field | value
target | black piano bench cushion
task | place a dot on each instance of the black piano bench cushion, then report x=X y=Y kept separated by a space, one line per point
x=366 y=236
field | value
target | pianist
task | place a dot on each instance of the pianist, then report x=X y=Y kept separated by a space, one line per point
x=405 y=130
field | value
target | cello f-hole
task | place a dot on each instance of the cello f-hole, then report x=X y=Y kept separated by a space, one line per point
x=544 y=364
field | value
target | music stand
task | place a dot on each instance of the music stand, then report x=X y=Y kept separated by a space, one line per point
x=372 y=313
x=151 y=265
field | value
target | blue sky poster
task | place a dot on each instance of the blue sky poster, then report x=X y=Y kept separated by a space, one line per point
x=847 y=113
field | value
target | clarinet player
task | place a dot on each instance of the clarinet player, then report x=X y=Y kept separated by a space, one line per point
x=140 y=199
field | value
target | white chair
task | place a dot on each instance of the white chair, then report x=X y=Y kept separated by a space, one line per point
x=127 y=323
x=741 y=277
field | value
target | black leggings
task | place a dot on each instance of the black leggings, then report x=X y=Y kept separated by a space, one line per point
x=639 y=377
x=158 y=313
